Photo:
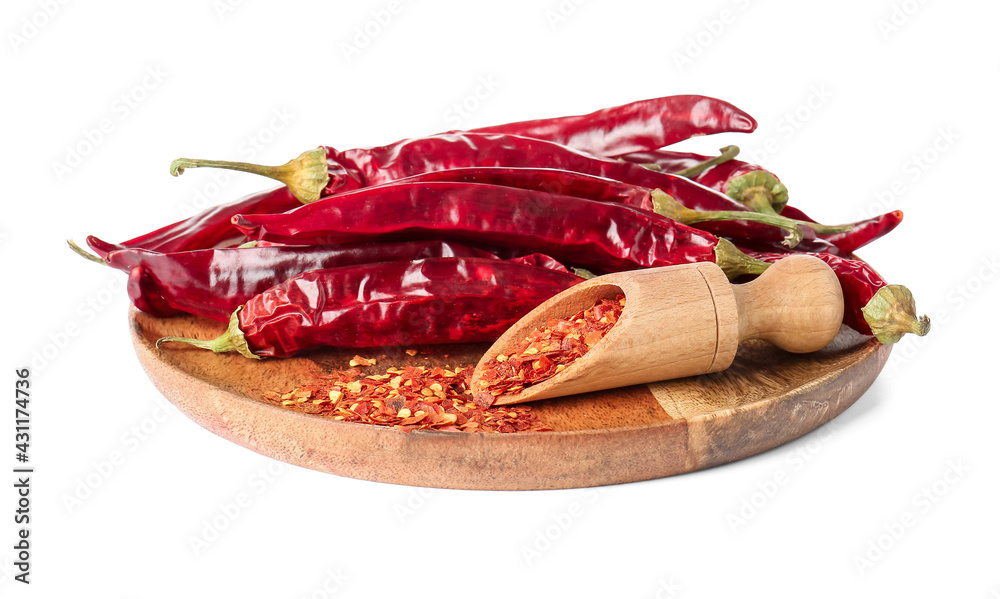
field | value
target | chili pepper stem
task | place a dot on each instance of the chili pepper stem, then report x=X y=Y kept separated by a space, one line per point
x=760 y=191
x=734 y=262
x=667 y=206
x=79 y=250
x=727 y=154
x=305 y=176
x=892 y=313
x=231 y=340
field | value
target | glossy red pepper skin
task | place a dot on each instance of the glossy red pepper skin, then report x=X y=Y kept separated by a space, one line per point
x=208 y=229
x=437 y=300
x=352 y=169
x=596 y=235
x=858 y=280
x=143 y=297
x=635 y=127
x=214 y=282
x=571 y=183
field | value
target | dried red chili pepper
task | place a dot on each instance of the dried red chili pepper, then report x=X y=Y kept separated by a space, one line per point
x=212 y=283
x=409 y=398
x=599 y=189
x=368 y=167
x=436 y=300
x=871 y=306
x=548 y=350
x=211 y=228
x=596 y=235
x=634 y=127
x=145 y=299
x=551 y=180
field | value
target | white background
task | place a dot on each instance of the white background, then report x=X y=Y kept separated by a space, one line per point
x=863 y=107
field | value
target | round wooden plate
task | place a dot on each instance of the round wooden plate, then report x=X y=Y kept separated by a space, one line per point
x=766 y=398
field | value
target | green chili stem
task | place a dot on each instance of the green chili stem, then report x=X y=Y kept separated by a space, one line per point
x=667 y=206
x=758 y=199
x=727 y=154
x=231 y=340
x=892 y=312
x=305 y=176
x=734 y=262
x=79 y=250
x=759 y=190
x=821 y=229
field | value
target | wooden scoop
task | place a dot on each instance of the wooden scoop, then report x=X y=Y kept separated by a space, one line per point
x=682 y=321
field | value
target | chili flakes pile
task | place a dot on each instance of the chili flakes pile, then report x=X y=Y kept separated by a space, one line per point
x=409 y=398
x=549 y=350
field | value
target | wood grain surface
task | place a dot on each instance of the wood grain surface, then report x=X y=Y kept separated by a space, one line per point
x=766 y=398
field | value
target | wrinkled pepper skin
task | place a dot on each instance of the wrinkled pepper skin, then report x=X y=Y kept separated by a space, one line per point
x=208 y=229
x=437 y=300
x=635 y=127
x=214 y=282
x=595 y=235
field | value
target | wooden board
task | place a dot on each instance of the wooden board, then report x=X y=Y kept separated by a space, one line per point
x=766 y=398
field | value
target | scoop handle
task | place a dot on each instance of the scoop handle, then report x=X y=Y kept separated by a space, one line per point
x=797 y=304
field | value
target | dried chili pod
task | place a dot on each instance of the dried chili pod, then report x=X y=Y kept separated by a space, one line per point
x=208 y=229
x=634 y=127
x=436 y=300
x=602 y=189
x=871 y=306
x=213 y=282
x=368 y=167
x=595 y=235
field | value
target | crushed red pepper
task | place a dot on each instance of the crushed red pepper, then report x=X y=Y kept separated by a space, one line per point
x=549 y=350
x=409 y=398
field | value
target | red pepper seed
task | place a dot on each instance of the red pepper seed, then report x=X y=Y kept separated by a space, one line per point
x=551 y=349
x=429 y=399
